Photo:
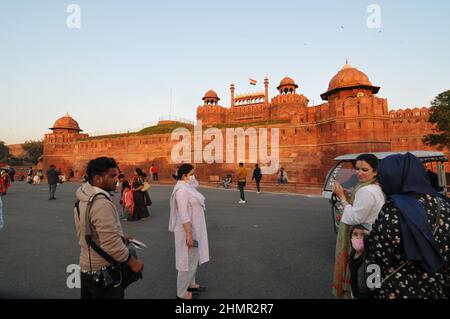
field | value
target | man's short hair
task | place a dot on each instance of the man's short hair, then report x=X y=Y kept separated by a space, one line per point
x=99 y=166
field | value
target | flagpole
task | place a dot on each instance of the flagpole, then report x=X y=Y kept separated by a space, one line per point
x=170 y=105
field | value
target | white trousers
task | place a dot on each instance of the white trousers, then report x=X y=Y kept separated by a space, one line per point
x=187 y=278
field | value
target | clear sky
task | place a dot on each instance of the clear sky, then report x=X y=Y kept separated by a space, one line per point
x=117 y=71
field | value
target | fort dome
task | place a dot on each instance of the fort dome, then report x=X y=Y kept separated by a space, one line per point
x=349 y=77
x=66 y=123
x=287 y=81
x=211 y=94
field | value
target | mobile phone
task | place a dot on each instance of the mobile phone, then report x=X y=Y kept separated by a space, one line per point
x=195 y=244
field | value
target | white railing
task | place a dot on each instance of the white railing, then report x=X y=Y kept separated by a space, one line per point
x=176 y=118
x=144 y=125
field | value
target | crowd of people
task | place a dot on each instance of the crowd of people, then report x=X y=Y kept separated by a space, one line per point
x=395 y=220
x=110 y=247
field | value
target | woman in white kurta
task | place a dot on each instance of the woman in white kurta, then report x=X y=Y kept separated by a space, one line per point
x=187 y=222
x=362 y=208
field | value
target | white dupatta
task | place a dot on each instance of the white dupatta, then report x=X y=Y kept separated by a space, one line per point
x=192 y=189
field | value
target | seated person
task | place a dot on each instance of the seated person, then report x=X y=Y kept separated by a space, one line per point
x=62 y=178
x=36 y=179
x=282 y=177
x=227 y=181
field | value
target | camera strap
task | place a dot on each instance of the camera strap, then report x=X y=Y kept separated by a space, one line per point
x=88 y=232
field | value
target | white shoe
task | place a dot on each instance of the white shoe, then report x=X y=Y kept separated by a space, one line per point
x=241 y=202
x=258 y=192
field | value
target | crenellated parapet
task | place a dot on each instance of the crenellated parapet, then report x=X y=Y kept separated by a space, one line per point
x=290 y=98
x=416 y=113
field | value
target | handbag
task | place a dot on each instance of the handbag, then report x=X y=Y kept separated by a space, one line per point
x=145 y=187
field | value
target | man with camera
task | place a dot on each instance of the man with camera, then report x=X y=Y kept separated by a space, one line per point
x=107 y=265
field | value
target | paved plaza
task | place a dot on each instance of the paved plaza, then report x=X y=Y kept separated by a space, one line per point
x=275 y=246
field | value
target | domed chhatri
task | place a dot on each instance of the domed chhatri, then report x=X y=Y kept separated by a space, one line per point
x=66 y=123
x=349 y=77
x=287 y=85
x=287 y=81
x=211 y=94
x=211 y=98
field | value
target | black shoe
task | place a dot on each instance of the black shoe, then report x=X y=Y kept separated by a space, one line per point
x=199 y=289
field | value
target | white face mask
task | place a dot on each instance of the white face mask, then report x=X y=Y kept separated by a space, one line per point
x=192 y=179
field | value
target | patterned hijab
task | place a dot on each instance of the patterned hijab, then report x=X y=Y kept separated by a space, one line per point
x=402 y=178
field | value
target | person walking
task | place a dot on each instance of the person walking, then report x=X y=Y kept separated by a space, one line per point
x=139 y=196
x=257 y=176
x=127 y=202
x=11 y=173
x=4 y=182
x=187 y=222
x=410 y=239
x=53 y=180
x=154 y=171
x=242 y=181
x=362 y=207
x=98 y=227
x=30 y=175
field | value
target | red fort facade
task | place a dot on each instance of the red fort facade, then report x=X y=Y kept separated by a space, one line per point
x=351 y=119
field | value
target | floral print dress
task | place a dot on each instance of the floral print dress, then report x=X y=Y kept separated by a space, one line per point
x=384 y=248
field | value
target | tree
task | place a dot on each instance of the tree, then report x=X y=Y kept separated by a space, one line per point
x=4 y=152
x=440 y=116
x=34 y=149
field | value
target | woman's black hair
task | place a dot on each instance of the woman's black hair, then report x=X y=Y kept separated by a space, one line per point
x=183 y=170
x=370 y=159
x=126 y=184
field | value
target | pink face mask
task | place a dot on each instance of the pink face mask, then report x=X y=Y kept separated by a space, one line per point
x=358 y=244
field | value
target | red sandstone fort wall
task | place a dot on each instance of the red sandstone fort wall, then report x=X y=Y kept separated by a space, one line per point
x=306 y=151
x=352 y=120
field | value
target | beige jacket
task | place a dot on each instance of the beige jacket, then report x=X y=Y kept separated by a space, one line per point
x=107 y=231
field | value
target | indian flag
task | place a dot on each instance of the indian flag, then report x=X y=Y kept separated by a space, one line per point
x=252 y=82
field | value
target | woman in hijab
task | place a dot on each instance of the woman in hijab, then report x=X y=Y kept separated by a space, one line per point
x=410 y=239
x=362 y=207
x=140 y=205
x=187 y=222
